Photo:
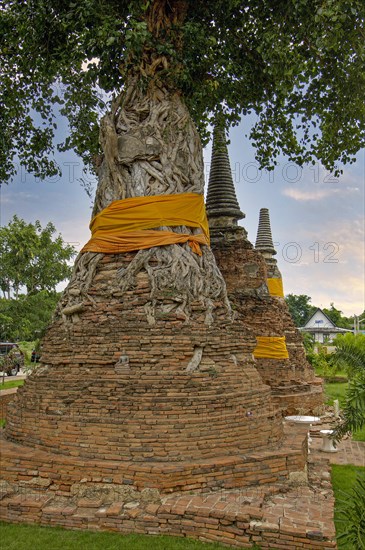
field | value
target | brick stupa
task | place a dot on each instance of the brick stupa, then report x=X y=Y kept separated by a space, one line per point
x=265 y=245
x=126 y=376
x=246 y=270
x=164 y=396
x=222 y=205
x=160 y=424
x=302 y=389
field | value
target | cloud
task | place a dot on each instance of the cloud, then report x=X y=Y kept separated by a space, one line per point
x=7 y=200
x=325 y=286
x=329 y=263
x=345 y=235
x=11 y=197
x=316 y=194
x=315 y=183
x=310 y=195
x=75 y=231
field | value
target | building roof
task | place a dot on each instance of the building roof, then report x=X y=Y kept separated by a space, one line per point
x=325 y=330
x=332 y=324
x=331 y=329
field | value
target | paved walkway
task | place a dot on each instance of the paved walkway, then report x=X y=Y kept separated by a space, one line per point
x=349 y=452
x=20 y=376
x=8 y=391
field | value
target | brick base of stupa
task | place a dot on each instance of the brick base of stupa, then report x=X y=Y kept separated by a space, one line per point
x=283 y=499
x=115 y=384
x=154 y=425
x=298 y=398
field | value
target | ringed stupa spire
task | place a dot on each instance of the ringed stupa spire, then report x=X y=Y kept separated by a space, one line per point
x=265 y=245
x=222 y=204
x=264 y=241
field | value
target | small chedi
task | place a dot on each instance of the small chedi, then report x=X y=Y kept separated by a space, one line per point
x=254 y=285
x=300 y=389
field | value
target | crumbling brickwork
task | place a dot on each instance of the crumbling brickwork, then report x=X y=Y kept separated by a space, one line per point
x=112 y=386
x=279 y=511
x=294 y=385
x=6 y=396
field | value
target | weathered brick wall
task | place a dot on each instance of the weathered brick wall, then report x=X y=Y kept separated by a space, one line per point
x=83 y=402
x=299 y=399
x=245 y=272
x=51 y=489
x=62 y=475
x=6 y=396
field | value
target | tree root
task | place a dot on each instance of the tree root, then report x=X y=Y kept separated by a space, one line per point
x=194 y=362
x=76 y=293
x=150 y=146
x=177 y=276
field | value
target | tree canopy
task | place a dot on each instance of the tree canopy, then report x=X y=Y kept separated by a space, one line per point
x=297 y=64
x=27 y=317
x=32 y=257
x=300 y=308
x=338 y=318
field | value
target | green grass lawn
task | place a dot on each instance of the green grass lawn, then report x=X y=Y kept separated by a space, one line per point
x=335 y=390
x=327 y=372
x=8 y=384
x=26 y=537
x=27 y=348
x=359 y=435
x=343 y=479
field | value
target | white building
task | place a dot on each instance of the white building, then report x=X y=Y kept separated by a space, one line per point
x=322 y=328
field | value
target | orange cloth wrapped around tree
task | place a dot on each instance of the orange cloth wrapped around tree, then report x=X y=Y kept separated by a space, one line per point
x=271 y=347
x=127 y=225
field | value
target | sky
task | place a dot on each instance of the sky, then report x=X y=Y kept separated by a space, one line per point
x=317 y=220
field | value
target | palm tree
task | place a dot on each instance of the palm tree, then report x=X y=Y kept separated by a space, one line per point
x=350 y=355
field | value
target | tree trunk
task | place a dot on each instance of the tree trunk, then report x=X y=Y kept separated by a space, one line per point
x=151 y=147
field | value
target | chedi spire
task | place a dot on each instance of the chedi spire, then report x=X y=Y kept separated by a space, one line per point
x=265 y=245
x=264 y=241
x=222 y=205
